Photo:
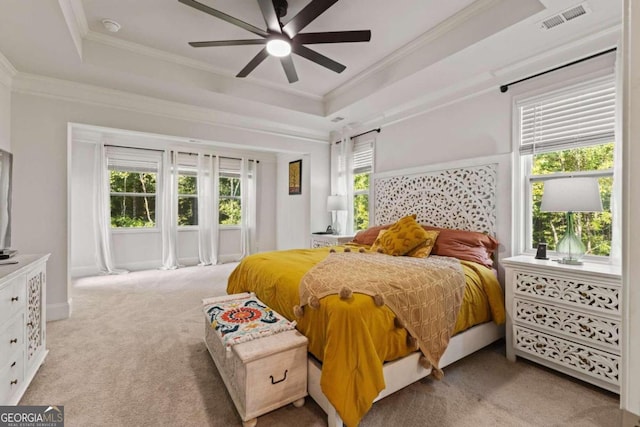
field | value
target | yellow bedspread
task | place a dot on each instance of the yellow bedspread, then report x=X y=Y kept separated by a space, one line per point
x=354 y=337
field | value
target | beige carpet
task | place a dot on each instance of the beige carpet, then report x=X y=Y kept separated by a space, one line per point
x=132 y=355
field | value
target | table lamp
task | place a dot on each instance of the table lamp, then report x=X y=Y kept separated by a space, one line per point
x=334 y=205
x=574 y=194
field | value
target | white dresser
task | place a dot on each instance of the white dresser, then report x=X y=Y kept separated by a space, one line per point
x=22 y=324
x=565 y=317
x=320 y=240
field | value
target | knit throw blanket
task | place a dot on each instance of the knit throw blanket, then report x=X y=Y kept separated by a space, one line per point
x=424 y=293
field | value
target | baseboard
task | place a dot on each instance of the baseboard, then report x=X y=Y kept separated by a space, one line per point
x=89 y=270
x=58 y=311
x=224 y=259
x=629 y=419
x=92 y=270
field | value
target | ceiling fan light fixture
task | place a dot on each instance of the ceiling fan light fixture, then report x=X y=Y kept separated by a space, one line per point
x=279 y=48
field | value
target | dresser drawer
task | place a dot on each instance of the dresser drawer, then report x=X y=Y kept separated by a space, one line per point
x=11 y=338
x=12 y=298
x=593 y=363
x=591 y=329
x=12 y=377
x=577 y=292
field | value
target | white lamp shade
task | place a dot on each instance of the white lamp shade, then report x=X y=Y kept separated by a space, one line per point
x=580 y=194
x=337 y=203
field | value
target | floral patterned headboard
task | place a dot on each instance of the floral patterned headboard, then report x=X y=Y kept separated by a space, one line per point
x=462 y=198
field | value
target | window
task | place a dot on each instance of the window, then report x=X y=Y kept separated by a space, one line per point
x=362 y=169
x=133 y=175
x=230 y=212
x=568 y=133
x=187 y=198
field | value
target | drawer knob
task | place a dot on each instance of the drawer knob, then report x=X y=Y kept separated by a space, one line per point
x=13 y=364
x=30 y=324
x=539 y=316
x=14 y=382
x=14 y=299
x=13 y=341
x=585 y=328
x=540 y=344
x=583 y=360
x=279 y=381
x=540 y=287
x=584 y=295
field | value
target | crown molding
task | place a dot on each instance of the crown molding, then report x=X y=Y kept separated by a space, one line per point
x=32 y=84
x=76 y=20
x=441 y=29
x=7 y=71
x=219 y=73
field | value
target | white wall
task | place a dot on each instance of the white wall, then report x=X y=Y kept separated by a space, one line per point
x=39 y=144
x=142 y=249
x=5 y=117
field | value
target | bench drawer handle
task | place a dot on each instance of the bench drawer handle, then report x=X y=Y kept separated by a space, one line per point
x=279 y=381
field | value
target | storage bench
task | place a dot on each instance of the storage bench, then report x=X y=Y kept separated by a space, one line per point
x=262 y=370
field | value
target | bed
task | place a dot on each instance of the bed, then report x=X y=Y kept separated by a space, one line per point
x=359 y=352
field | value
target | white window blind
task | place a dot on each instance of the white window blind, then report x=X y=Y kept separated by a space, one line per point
x=362 y=156
x=133 y=159
x=228 y=164
x=575 y=118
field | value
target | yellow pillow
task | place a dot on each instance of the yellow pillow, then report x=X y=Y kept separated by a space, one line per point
x=423 y=250
x=402 y=236
x=376 y=244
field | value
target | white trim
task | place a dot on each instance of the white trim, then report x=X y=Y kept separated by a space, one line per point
x=76 y=20
x=173 y=58
x=7 y=71
x=59 y=311
x=32 y=84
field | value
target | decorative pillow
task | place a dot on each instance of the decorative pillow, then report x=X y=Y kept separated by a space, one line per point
x=424 y=249
x=465 y=245
x=369 y=236
x=378 y=242
x=402 y=236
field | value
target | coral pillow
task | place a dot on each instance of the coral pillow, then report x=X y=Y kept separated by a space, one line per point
x=369 y=236
x=402 y=236
x=423 y=250
x=466 y=245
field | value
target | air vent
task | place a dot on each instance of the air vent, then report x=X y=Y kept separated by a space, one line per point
x=565 y=16
x=337 y=119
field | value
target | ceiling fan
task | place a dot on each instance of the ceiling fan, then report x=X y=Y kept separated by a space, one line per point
x=282 y=40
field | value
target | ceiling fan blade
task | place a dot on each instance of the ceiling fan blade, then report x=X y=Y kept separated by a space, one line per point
x=270 y=16
x=228 y=43
x=257 y=60
x=318 y=58
x=221 y=15
x=334 y=37
x=306 y=15
x=289 y=68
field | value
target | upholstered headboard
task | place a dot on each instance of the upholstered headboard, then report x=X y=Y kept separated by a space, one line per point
x=463 y=198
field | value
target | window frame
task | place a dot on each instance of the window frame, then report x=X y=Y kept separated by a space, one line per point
x=522 y=177
x=155 y=194
x=230 y=174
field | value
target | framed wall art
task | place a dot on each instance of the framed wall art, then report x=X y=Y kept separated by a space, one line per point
x=295 y=177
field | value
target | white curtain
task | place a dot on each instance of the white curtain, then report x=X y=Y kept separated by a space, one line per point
x=169 y=191
x=248 y=186
x=102 y=212
x=208 y=213
x=616 y=194
x=344 y=182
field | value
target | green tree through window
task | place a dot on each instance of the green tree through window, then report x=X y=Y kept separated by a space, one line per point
x=133 y=199
x=593 y=227
x=230 y=199
x=361 y=201
x=187 y=199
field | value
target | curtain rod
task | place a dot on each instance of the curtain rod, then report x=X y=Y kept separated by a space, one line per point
x=134 y=148
x=505 y=88
x=217 y=155
x=360 y=134
x=182 y=152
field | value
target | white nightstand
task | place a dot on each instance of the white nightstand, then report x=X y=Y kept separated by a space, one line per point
x=320 y=240
x=565 y=317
